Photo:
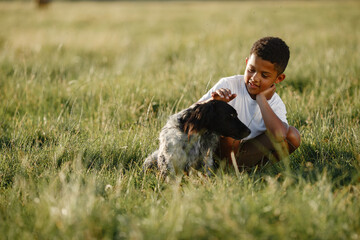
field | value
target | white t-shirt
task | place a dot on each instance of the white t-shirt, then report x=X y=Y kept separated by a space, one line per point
x=247 y=108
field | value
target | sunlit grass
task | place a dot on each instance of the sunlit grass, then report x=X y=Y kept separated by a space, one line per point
x=86 y=87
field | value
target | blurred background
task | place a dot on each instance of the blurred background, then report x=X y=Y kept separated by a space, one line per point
x=85 y=88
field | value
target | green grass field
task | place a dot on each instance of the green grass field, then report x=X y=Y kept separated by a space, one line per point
x=86 y=87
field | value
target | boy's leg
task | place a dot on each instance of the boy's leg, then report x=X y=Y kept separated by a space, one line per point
x=258 y=150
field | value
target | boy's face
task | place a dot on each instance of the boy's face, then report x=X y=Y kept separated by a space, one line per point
x=260 y=75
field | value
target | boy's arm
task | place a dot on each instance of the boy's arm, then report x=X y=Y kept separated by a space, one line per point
x=277 y=128
x=222 y=94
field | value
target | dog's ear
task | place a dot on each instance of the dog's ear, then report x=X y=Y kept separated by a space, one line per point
x=205 y=115
x=197 y=118
x=189 y=121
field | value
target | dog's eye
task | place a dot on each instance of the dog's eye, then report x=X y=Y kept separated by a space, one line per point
x=233 y=115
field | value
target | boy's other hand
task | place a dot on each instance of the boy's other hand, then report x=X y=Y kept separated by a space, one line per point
x=268 y=93
x=223 y=94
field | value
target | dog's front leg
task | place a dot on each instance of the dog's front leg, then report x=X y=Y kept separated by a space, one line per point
x=209 y=163
x=151 y=161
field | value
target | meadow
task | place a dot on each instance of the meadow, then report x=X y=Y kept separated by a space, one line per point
x=86 y=87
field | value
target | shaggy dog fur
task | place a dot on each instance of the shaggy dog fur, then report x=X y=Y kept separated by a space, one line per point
x=190 y=137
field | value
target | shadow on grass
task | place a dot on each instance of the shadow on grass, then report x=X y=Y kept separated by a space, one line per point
x=340 y=165
x=310 y=162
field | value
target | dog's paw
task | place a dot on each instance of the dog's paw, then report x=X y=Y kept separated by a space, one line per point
x=151 y=161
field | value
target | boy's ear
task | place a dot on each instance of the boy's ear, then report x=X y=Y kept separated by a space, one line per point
x=246 y=60
x=280 y=78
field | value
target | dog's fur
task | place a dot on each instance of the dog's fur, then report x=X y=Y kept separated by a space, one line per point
x=190 y=137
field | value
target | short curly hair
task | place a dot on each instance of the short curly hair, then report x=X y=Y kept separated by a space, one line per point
x=272 y=49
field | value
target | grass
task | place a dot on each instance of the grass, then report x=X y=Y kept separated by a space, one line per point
x=86 y=87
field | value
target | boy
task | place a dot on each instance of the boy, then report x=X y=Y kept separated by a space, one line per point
x=258 y=106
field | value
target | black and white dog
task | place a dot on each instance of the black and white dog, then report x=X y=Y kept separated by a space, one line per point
x=190 y=137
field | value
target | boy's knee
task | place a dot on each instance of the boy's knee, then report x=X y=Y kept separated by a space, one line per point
x=294 y=139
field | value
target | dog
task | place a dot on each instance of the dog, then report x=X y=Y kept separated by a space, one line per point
x=189 y=138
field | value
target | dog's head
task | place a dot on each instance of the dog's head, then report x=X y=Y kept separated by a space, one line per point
x=215 y=116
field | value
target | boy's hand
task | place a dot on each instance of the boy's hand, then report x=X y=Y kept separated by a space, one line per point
x=223 y=94
x=268 y=93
